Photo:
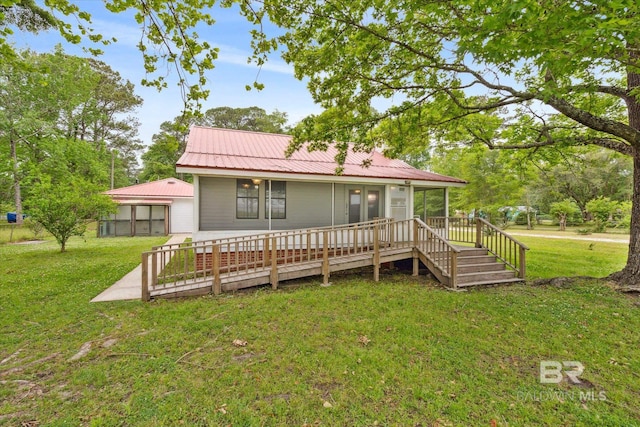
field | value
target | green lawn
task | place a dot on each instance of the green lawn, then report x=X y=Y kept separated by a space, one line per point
x=403 y=351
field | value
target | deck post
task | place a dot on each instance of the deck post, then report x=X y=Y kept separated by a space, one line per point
x=392 y=235
x=453 y=274
x=274 y=263
x=478 y=233
x=215 y=267
x=376 y=253
x=145 y=277
x=265 y=252
x=325 y=258
x=154 y=266
x=522 y=272
x=355 y=239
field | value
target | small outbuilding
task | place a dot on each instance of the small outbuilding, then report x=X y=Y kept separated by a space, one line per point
x=150 y=209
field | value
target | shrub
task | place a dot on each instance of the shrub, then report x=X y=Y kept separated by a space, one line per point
x=36 y=228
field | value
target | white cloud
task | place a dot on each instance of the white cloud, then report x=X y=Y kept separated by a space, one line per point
x=232 y=55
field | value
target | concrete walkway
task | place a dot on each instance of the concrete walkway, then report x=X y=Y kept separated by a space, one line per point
x=130 y=286
x=568 y=236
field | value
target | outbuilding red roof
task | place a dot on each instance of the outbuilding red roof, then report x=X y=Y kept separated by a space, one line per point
x=169 y=187
x=227 y=149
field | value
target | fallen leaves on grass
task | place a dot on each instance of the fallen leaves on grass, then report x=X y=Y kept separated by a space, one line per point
x=362 y=339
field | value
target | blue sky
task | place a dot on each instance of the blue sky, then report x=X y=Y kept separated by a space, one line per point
x=227 y=81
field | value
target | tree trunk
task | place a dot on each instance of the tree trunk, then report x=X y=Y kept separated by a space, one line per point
x=17 y=191
x=630 y=274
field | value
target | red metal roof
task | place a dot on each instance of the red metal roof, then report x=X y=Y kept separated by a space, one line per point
x=213 y=148
x=128 y=201
x=169 y=187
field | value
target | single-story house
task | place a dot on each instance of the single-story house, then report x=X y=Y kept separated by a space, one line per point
x=152 y=208
x=244 y=184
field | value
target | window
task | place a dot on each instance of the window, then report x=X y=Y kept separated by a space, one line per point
x=247 y=198
x=278 y=200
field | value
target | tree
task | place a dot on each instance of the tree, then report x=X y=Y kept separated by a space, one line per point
x=458 y=60
x=159 y=161
x=168 y=36
x=49 y=98
x=65 y=208
x=251 y=118
x=64 y=188
x=103 y=117
x=602 y=210
x=31 y=99
x=563 y=211
x=583 y=174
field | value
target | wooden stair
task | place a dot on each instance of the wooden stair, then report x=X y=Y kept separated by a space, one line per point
x=477 y=267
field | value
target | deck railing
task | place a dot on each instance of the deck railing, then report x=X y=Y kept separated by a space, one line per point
x=502 y=245
x=437 y=249
x=483 y=234
x=204 y=263
x=199 y=262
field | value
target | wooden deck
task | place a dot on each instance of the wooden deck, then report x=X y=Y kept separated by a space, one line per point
x=230 y=264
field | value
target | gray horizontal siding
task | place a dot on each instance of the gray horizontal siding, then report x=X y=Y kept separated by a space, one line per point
x=308 y=205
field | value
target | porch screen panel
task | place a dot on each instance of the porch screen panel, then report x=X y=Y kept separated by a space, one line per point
x=434 y=198
x=247 y=199
x=143 y=220
x=157 y=220
x=429 y=202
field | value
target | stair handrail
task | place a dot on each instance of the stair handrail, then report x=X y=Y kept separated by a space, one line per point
x=444 y=240
x=502 y=245
x=437 y=250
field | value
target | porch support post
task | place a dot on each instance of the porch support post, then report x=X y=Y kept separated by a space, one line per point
x=446 y=212
x=446 y=202
x=269 y=205
x=410 y=208
x=133 y=220
x=167 y=220
x=196 y=205
x=333 y=204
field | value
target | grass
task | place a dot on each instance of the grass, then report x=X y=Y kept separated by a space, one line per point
x=403 y=351
x=13 y=233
